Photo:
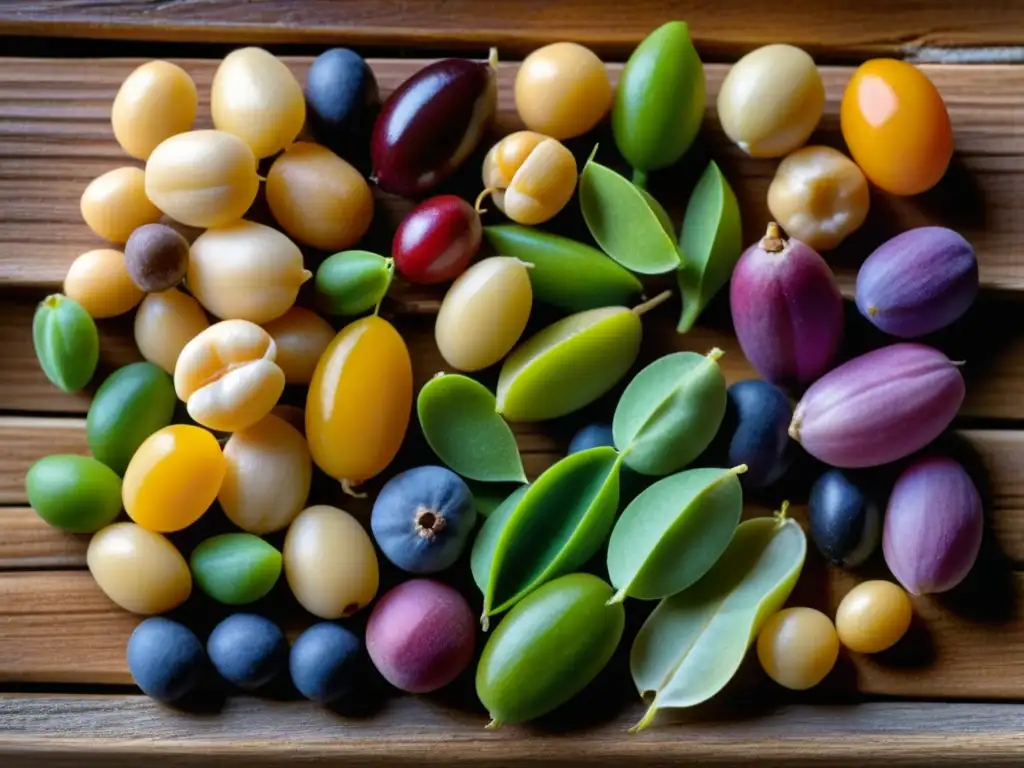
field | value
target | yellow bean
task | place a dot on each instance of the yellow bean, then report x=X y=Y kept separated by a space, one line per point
x=873 y=616
x=115 y=204
x=245 y=271
x=99 y=281
x=798 y=647
x=562 y=90
x=301 y=337
x=155 y=102
x=227 y=376
x=530 y=177
x=138 y=569
x=165 y=323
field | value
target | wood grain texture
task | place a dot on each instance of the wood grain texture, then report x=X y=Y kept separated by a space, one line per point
x=55 y=137
x=871 y=27
x=26 y=542
x=121 y=731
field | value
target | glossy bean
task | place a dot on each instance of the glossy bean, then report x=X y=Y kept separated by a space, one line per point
x=235 y=568
x=436 y=241
x=164 y=323
x=318 y=198
x=99 y=281
x=74 y=493
x=156 y=257
x=562 y=90
x=798 y=647
x=845 y=518
x=156 y=101
x=873 y=616
x=330 y=562
x=530 y=177
x=138 y=569
x=115 y=204
x=173 y=478
x=227 y=376
x=66 y=342
x=341 y=94
x=352 y=282
x=301 y=336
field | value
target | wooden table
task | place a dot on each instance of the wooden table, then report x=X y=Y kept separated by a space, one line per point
x=946 y=696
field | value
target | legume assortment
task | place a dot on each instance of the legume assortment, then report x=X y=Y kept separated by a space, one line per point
x=697 y=447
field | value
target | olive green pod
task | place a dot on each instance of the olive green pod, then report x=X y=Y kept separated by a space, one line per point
x=569 y=364
x=549 y=648
x=66 y=341
x=235 y=568
x=133 y=403
x=660 y=101
x=352 y=282
x=75 y=493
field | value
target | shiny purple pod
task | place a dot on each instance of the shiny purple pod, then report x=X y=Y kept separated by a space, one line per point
x=879 y=407
x=918 y=282
x=786 y=309
x=933 y=526
x=431 y=123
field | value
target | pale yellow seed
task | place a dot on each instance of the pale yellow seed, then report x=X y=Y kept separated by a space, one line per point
x=269 y=470
x=227 y=376
x=115 y=204
x=164 y=323
x=99 y=281
x=301 y=337
x=798 y=647
x=530 y=177
x=562 y=90
x=156 y=101
x=246 y=271
x=330 y=563
x=484 y=313
x=873 y=616
x=138 y=569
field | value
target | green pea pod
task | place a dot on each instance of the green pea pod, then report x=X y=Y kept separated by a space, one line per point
x=66 y=341
x=670 y=412
x=564 y=273
x=133 y=403
x=489 y=536
x=74 y=493
x=571 y=363
x=235 y=568
x=712 y=241
x=659 y=210
x=673 y=532
x=622 y=222
x=693 y=643
x=352 y=282
x=488 y=497
x=548 y=648
x=660 y=100
x=558 y=524
x=458 y=418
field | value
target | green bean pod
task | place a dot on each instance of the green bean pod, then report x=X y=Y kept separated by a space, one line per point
x=66 y=341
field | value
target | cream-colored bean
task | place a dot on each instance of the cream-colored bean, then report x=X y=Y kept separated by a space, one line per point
x=819 y=196
x=202 y=178
x=530 y=177
x=115 y=204
x=256 y=97
x=771 y=100
x=330 y=562
x=99 y=281
x=156 y=101
x=484 y=313
x=164 y=323
x=301 y=337
x=227 y=376
x=246 y=271
x=269 y=470
x=562 y=90
x=138 y=569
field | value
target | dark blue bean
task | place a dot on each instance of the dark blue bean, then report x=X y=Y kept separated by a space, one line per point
x=165 y=659
x=247 y=650
x=756 y=430
x=845 y=519
x=325 y=662
x=341 y=93
x=591 y=436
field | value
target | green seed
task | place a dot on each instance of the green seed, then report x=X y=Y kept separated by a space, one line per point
x=235 y=568
x=693 y=643
x=548 y=648
x=66 y=341
x=133 y=403
x=564 y=273
x=621 y=220
x=670 y=412
x=460 y=425
x=673 y=532
x=352 y=282
x=660 y=100
x=558 y=524
x=75 y=493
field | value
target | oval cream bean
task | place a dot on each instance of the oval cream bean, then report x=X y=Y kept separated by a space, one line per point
x=139 y=570
x=301 y=337
x=165 y=323
x=155 y=102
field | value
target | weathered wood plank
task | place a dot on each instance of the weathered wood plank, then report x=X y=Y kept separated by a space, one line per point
x=27 y=542
x=872 y=27
x=55 y=137
x=28 y=439
x=121 y=731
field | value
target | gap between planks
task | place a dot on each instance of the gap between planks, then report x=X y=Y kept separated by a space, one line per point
x=55 y=137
